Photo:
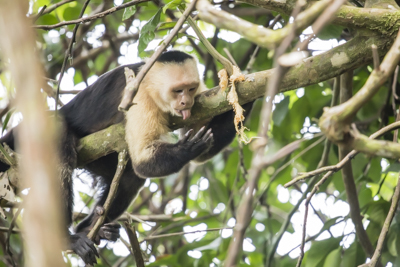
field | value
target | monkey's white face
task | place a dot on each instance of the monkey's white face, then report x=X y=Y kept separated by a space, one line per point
x=177 y=86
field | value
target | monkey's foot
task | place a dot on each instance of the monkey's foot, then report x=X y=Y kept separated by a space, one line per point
x=84 y=248
x=109 y=231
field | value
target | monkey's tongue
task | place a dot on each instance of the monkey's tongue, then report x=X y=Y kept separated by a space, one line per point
x=185 y=113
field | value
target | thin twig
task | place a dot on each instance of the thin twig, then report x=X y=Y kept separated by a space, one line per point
x=385 y=229
x=53 y=7
x=129 y=93
x=346 y=93
x=137 y=253
x=241 y=161
x=231 y=58
x=394 y=98
x=68 y=54
x=11 y=230
x=321 y=21
x=40 y=13
x=184 y=233
x=323 y=162
x=257 y=49
x=344 y=113
x=308 y=200
x=292 y=160
x=316 y=235
x=375 y=57
x=90 y=18
x=394 y=85
x=122 y=160
x=334 y=168
x=213 y=52
x=246 y=208
x=10 y=161
x=181 y=223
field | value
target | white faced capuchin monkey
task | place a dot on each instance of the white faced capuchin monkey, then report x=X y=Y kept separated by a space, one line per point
x=168 y=88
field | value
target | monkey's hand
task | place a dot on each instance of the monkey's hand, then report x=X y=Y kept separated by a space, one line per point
x=108 y=231
x=201 y=142
x=84 y=248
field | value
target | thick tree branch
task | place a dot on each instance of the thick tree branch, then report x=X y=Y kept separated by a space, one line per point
x=335 y=122
x=384 y=21
x=346 y=92
x=311 y=70
x=262 y=36
x=334 y=168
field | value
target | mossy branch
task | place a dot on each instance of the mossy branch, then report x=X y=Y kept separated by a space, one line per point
x=335 y=122
x=262 y=36
x=312 y=70
x=378 y=21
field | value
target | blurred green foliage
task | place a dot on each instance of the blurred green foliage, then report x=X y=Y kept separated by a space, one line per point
x=295 y=116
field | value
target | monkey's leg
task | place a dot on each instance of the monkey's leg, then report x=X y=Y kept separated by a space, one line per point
x=130 y=185
x=79 y=243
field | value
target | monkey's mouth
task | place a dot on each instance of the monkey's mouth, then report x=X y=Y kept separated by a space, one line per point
x=185 y=113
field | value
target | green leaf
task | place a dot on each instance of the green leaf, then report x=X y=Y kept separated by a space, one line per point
x=166 y=25
x=333 y=259
x=7 y=119
x=100 y=62
x=170 y=260
x=320 y=250
x=353 y=256
x=392 y=244
x=147 y=32
x=47 y=19
x=330 y=32
x=214 y=245
x=129 y=12
x=172 y=5
x=71 y=13
x=281 y=111
x=78 y=77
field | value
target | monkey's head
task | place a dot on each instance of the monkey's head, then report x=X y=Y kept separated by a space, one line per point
x=175 y=82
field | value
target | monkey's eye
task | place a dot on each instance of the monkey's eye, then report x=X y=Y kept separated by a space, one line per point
x=192 y=89
x=178 y=91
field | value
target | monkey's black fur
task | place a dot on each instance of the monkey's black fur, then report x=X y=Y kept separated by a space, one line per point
x=96 y=108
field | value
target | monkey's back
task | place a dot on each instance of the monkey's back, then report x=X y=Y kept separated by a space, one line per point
x=96 y=107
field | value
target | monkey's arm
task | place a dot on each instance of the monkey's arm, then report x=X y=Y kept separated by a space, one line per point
x=170 y=158
x=224 y=132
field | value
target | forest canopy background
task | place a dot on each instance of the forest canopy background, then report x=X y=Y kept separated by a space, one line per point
x=187 y=219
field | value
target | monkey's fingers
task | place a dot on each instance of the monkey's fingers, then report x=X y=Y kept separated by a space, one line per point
x=187 y=135
x=209 y=139
x=207 y=135
x=198 y=135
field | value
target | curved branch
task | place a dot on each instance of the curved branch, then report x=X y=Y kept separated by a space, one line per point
x=262 y=36
x=312 y=70
x=335 y=122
